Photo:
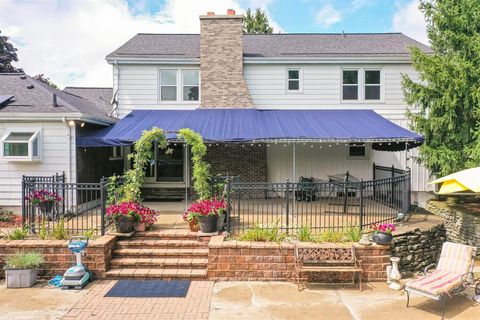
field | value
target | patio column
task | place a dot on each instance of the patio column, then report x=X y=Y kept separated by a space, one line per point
x=294 y=178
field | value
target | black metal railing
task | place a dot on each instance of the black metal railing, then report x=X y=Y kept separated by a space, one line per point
x=318 y=205
x=81 y=207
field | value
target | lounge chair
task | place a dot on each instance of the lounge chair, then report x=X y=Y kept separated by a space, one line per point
x=453 y=274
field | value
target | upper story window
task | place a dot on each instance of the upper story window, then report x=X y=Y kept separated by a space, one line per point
x=350 y=85
x=178 y=85
x=294 y=80
x=362 y=85
x=190 y=85
x=372 y=84
x=21 y=146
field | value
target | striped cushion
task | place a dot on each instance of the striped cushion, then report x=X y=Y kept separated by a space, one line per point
x=455 y=258
x=436 y=283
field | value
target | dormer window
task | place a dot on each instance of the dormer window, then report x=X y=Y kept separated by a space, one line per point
x=294 y=80
x=21 y=146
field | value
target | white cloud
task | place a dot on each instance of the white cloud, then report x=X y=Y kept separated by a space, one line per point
x=68 y=40
x=327 y=16
x=409 y=20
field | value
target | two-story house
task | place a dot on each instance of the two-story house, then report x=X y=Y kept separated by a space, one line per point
x=271 y=107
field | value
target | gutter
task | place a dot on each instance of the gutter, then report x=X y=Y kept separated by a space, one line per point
x=59 y=117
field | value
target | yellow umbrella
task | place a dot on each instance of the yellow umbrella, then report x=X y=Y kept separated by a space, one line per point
x=460 y=181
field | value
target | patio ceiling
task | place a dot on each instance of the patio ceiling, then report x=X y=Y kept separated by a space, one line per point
x=252 y=125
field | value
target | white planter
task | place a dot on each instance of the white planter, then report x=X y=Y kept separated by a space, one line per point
x=24 y=278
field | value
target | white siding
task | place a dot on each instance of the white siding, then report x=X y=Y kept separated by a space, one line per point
x=138 y=89
x=311 y=161
x=56 y=140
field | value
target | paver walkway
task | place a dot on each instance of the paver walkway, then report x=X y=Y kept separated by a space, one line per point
x=195 y=306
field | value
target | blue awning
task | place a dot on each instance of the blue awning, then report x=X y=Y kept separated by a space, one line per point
x=247 y=125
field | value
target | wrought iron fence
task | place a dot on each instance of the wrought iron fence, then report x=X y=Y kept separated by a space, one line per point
x=319 y=205
x=80 y=206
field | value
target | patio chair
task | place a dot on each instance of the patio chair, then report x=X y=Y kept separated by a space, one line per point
x=306 y=189
x=453 y=274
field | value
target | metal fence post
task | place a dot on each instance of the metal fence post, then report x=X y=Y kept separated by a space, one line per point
x=287 y=198
x=361 y=205
x=24 y=209
x=102 y=205
x=229 y=206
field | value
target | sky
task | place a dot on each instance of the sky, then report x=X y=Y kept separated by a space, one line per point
x=68 y=40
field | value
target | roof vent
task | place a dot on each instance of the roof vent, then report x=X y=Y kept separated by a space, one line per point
x=55 y=104
x=30 y=86
x=23 y=77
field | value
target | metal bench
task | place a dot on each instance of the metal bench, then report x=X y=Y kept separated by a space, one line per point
x=314 y=259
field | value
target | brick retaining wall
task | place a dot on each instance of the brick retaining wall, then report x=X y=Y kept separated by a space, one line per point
x=58 y=258
x=243 y=260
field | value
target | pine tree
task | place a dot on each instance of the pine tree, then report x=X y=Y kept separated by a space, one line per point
x=256 y=23
x=445 y=104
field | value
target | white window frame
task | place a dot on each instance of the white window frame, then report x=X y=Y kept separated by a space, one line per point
x=365 y=157
x=37 y=134
x=359 y=75
x=117 y=153
x=300 y=79
x=361 y=85
x=179 y=86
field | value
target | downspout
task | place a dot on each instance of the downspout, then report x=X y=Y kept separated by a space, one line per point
x=64 y=120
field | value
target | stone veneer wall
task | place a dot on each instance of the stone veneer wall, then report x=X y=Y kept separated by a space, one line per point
x=461 y=226
x=58 y=258
x=418 y=248
x=243 y=260
x=221 y=62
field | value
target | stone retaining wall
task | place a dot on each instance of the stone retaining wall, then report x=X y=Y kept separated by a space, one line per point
x=243 y=260
x=461 y=226
x=418 y=248
x=58 y=258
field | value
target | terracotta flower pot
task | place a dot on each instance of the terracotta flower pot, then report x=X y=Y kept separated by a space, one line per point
x=382 y=237
x=124 y=224
x=208 y=224
x=139 y=227
x=193 y=225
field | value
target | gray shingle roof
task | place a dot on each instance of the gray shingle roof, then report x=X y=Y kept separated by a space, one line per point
x=98 y=96
x=274 y=45
x=33 y=96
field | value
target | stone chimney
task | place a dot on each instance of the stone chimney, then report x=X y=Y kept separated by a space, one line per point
x=221 y=62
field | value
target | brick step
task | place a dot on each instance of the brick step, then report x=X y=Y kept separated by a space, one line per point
x=146 y=273
x=150 y=253
x=158 y=263
x=139 y=243
x=167 y=234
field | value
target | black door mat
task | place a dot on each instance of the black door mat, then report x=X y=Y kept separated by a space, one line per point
x=149 y=289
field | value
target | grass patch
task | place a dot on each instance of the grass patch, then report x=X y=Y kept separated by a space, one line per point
x=17 y=233
x=59 y=231
x=330 y=235
x=304 y=234
x=353 y=234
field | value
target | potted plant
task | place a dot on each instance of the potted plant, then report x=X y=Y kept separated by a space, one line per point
x=207 y=212
x=44 y=199
x=124 y=215
x=145 y=218
x=192 y=220
x=21 y=269
x=382 y=233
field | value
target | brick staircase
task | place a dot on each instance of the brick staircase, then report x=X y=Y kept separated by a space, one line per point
x=164 y=254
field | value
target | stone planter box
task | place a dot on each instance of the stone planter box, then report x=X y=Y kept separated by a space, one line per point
x=24 y=278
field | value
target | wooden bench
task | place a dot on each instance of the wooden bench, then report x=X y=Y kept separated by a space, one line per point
x=313 y=259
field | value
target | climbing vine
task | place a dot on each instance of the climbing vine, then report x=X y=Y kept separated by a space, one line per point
x=201 y=169
x=134 y=178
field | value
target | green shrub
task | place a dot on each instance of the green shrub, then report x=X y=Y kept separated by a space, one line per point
x=89 y=233
x=24 y=260
x=330 y=235
x=43 y=233
x=352 y=234
x=60 y=232
x=17 y=233
x=6 y=215
x=259 y=233
x=304 y=234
